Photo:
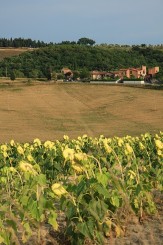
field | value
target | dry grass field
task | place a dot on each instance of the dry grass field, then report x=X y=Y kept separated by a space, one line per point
x=53 y=110
x=8 y=52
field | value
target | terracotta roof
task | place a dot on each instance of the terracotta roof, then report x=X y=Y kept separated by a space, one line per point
x=66 y=70
x=135 y=69
x=100 y=73
x=125 y=69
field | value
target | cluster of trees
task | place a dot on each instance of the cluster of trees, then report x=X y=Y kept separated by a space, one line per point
x=81 y=58
x=29 y=43
x=21 y=42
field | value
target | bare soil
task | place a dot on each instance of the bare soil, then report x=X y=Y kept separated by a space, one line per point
x=50 y=111
x=147 y=231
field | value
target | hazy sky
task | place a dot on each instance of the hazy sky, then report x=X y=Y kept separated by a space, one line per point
x=105 y=21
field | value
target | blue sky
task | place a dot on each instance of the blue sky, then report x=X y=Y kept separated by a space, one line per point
x=105 y=21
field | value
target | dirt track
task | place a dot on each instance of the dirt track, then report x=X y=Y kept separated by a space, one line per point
x=50 y=111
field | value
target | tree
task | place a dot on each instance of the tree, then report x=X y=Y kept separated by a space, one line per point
x=85 y=74
x=76 y=75
x=48 y=73
x=54 y=75
x=86 y=41
x=143 y=45
x=18 y=73
x=34 y=73
x=12 y=76
x=60 y=76
x=159 y=77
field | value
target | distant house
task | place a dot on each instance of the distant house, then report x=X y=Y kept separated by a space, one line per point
x=67 y=73
x=140 y=72
x=66 y=70
x=149 y=78
x=133 y=72
x=152 y=71
x=100 y=75
x=124 y=73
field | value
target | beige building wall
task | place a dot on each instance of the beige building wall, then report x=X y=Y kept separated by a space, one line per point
x=135 y=73
x=124 y=72
x=139 y=72
x=144 y=70
x=153 y=70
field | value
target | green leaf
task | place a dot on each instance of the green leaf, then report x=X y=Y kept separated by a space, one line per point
x=100 y=237
x=116 y=182
x=52 y=220
x=27 y=233
x=80 y=188
x=115 y=201
x=42 y=204
x=101 y=190
x=12 y=224
x=24 y=200
x=84 y=229
x=41 y=179
x=71 y=211
x=33 y=208
x=102 y=179
x=97 y=209
x=138 y=189
x=27 y=228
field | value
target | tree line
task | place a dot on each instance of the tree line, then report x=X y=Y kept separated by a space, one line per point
x=29 y=43
x=22 y=43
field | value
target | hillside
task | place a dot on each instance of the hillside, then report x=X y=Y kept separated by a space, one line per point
x=9 y=52
x=79 y=57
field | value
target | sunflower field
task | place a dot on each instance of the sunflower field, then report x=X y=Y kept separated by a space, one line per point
x=93 y=183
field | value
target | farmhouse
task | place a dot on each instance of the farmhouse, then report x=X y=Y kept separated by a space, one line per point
x=140 y=72
x=152 y=71
x=67 y=73
x=99 y=75
x=133 y=72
